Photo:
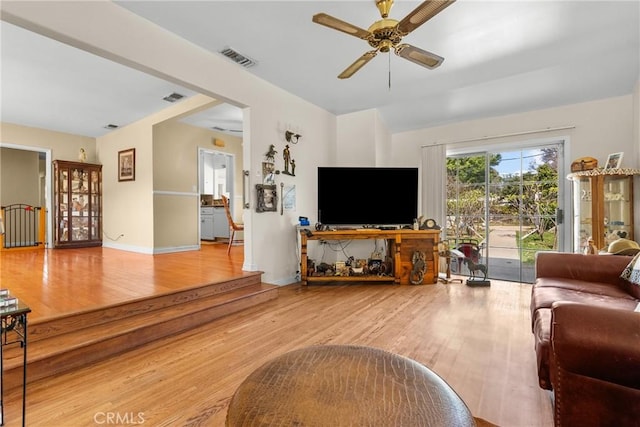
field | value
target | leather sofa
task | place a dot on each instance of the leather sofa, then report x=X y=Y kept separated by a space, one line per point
x=587 y=338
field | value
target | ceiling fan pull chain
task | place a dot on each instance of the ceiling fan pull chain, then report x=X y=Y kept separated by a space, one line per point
x=389 y=71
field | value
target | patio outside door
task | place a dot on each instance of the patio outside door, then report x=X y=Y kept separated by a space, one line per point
x=502 y=207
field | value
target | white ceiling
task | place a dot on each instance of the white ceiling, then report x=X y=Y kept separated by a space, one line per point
x=500 y=57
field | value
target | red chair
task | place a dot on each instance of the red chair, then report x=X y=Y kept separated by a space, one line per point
x=470 y=249
x=465 y=248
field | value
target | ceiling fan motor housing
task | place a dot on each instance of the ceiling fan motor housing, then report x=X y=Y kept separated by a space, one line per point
x=385 y=34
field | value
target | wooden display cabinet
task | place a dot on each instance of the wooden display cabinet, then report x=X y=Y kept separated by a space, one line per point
x=602 y=207
x=77 y=204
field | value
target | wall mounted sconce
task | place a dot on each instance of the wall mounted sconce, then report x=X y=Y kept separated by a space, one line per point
x=292 y=137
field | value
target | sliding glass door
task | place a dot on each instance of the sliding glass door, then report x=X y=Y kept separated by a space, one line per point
x=502 y=207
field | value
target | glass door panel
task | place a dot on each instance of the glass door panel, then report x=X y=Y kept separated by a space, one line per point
x=511 y=214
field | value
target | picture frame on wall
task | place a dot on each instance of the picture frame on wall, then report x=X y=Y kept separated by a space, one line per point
x=268 y=173
x=267 y=198
x=614 y=161
x=127 y=165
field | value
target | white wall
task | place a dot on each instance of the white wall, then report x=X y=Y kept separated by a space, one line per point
x=601 y=127
x=20 y=173
x=362 y=140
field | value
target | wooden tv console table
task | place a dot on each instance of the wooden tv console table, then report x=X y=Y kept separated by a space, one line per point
x=402 y=244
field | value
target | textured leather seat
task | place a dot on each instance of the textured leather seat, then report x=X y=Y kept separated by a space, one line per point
x=343 y=385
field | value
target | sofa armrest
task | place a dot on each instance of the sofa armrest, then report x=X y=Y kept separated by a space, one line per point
x=596 y=342
x=590 y=268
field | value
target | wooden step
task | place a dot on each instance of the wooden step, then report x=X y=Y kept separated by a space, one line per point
x=66 y=348
x=47 y=328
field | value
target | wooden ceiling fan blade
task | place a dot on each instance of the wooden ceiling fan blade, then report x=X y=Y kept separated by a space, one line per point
x=337 y=24
x=419 y=56
x=359 y=63
x=422 y=14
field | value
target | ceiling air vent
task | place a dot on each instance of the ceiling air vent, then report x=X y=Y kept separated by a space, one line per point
x=219 y=129
x=238 y=58
x=173 y=97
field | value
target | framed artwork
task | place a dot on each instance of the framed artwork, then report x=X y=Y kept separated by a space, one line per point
x=267 y=198
x=127 y=165
x=268 y=173
x=614 y=161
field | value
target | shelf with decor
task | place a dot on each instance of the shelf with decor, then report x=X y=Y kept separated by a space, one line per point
x=402 y=246
x=77 y=204
x=602 y=206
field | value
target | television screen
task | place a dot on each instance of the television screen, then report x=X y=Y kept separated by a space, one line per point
x=367 y=196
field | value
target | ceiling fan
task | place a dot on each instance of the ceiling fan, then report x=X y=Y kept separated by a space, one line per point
x=387 y=34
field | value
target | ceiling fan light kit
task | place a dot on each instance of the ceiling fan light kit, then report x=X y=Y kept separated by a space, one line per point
x=386 y=34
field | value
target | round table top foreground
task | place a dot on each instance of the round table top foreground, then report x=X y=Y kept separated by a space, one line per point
x=342 y=385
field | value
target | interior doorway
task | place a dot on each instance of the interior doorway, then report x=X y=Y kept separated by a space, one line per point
x=216 y=172
x=505 y=205
x=43 y=177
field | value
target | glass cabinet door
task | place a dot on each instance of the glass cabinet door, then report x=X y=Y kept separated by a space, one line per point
x=583 y=213
x=62 y=207
x=618 y=214
x=94 y=203
x=602 y=207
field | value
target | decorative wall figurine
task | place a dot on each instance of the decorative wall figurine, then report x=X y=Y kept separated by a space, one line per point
x=286 y=155
x=270 y=155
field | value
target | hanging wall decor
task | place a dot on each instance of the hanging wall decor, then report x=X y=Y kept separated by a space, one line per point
x=270 y=155
x=127 y=165
x=269 y=173
x=267 y=198
x=292 y=137
x=289 y=163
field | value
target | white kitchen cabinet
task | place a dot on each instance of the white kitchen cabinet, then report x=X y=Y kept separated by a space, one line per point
x=220 y=223
x=207 y=223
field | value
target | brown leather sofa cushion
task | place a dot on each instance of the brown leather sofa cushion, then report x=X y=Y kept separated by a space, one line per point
x=607 y=269
x=544 y=297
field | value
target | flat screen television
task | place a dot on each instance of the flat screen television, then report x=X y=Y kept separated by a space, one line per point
x=367 y=196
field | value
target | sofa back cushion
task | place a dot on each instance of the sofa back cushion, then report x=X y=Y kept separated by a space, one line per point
x=590 y=268
x=631 y=276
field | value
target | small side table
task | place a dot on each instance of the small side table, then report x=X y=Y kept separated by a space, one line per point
x=13 y=324
x=447 y=255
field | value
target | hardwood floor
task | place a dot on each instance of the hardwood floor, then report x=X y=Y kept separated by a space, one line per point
x=477 y=339
x=56 y=282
